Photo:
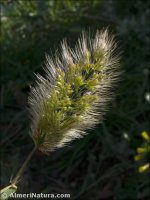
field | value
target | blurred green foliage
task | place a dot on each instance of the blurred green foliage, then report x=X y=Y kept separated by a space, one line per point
x=101 y=165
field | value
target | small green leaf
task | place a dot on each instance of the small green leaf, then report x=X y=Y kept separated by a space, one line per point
x=7 y=191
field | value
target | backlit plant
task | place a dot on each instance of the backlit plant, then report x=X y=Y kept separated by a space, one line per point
x=73 y=95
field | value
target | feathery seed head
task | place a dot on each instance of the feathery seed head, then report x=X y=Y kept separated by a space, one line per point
x=75 y=91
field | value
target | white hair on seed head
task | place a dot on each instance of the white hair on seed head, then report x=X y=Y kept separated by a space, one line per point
x=75 y=92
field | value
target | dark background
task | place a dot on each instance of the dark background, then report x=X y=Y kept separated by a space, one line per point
x=101 y=165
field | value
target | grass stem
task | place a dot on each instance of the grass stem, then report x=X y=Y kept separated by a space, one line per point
x=23 y=167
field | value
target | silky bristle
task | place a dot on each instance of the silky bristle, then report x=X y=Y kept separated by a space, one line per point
x=73 y=95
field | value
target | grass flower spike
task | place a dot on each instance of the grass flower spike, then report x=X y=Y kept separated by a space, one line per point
x=73 y=95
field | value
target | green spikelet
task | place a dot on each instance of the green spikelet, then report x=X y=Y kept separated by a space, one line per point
x=73 y=95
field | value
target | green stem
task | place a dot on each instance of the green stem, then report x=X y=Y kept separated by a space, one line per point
x=23 y=167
